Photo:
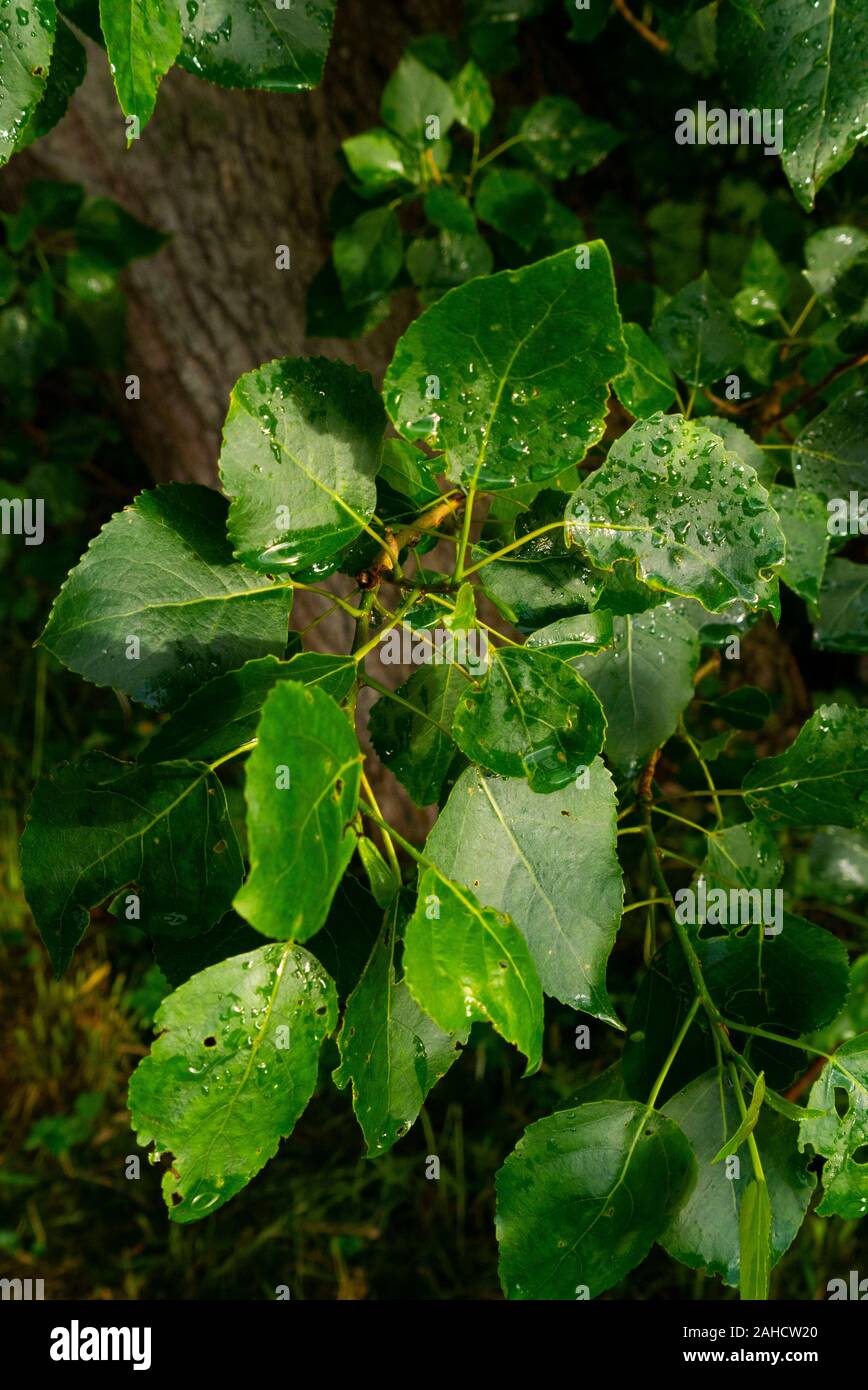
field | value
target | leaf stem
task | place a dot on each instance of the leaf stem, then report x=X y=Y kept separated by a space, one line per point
x=673 y=1051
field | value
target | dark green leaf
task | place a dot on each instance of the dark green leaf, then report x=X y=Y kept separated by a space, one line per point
x=68 y=64
x=698 y=333
x=411 y=97
x=253 y=43
x=737 y=441
x=25 y=59
x=530 y=716
x=106 y=231
x=842 y=624
x=301 y=444
x=705 y=1232
x=367 y=255
x=647 y=385
x=412 y=732
x=837 y=271
x=223 y=714
x=391 y=1051
x=804 y=520
x=820 y=779
x=232 y=1069
x=830 y=456
x=437 y=264
x=161 y=572
x=613 y=1173
x=575 y=636
x=513 y=203
x=97 y=826
x=805 y=62
x=560 y=140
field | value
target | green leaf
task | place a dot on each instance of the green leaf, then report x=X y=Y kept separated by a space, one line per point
x=766 y=286
x=584 y=1195
x=742 y=856
x=301 y=444
x=302 y=789
x=377 y=160
x=390 y=1049
x=705 y=1232
x=232 y=1069
x=437 y=264
x=412 y=732
x=698 y=333
x=820 y=779
x=513 y=203
x=411 y=97
x=25 y=59
x=523 y=855
x=575 y=636
x=530 y=716
x=180 y=959
x=842 y=624
x=142 y=40
x=647 y=385
x=161 y=571
x=746 y=707
x=798 y=980
x=97 y=826
x=838 y=868
x=474 y=103
x=530 y=590
x=644 y=680
x=830 y=455
x=805 y=62
x=409 y=475
x=837 y=271
x=804 y=520
x=223 y=714
x=326 y=314
x=368 y=255
x=523 y=358
x=448 y=210
x=254 y=44
x=737 y=441
x=754 y=1241
x=748 y=1124
x=465 y=964
x=384 y=884
x=68 y=65
x=105 y=231
x=841 y=1093
x=693 y=517
x=560 y=140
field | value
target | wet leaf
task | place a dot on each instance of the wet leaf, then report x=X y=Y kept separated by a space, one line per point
x=232 y=1069
x=841 y=1093
x=161 y=572
x=820 y=778
x=253 y=43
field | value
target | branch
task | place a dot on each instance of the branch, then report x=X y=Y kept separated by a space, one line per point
x=656 y=40
x=408 y=537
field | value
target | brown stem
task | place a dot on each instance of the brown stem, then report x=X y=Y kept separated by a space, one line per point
x=656 y=40
x=409 y=536
x=783 y=411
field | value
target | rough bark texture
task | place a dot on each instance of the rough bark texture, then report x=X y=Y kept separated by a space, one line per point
x=231 y=175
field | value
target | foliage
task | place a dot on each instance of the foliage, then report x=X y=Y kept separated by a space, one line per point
x=623 y=487
x=236 y=43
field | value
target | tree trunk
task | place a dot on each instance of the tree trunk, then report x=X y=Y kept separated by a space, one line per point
x=231 y=175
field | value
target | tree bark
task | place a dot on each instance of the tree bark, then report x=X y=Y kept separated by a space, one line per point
x=231 y=175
